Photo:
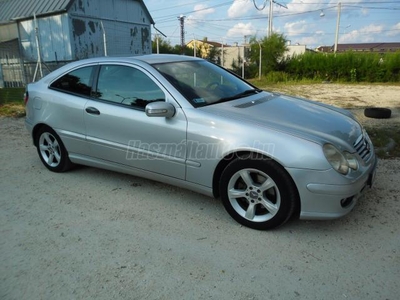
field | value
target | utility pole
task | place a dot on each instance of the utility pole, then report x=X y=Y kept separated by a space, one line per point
x=244 y=52
x=222 y=53
x=182 y=23
x=271 y=2
x=271 y=16
x=337 y=26
x=158 y=44
x=259 y=67
x=194 y=46
x=104 y=39
x=157 y=39
x=39 y=59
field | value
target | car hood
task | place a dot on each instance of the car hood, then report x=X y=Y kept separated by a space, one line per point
x=307 y=119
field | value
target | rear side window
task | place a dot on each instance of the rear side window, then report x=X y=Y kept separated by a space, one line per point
x=127 y=86
x=78 y=82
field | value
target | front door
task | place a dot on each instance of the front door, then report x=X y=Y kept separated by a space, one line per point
x=118 y=129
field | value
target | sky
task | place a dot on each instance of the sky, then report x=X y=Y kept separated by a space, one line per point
x=306 y=22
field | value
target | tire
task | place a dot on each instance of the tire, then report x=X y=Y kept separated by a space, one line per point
x=51 y=150
x=258 y=192
x=378 y=112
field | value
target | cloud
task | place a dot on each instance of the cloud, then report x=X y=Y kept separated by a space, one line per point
x=296 y=28
x=308 y=41
x=201 y=12
x=300 y=32
x=364 y=11
x=300 y=6
x=314 y=6
x=366 y=34
x=395 y=30
x=239 y=8
x=241 y=29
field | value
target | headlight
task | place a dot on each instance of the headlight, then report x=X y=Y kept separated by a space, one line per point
x=341 y=162
x=351 y=160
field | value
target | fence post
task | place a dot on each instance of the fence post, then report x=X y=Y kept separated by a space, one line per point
x=1 y=77
x=21 y=57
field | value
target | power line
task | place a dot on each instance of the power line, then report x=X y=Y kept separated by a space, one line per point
x=175 y=6
x=210 y=27
x=197 y=10
x=260 y=8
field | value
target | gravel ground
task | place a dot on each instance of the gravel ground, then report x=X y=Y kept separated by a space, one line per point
x=95 y=234
x=355 y=97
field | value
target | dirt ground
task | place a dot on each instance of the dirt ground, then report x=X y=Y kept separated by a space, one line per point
x=95 y=234
x=355 y=98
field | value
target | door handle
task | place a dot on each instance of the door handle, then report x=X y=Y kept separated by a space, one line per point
x=92 y=111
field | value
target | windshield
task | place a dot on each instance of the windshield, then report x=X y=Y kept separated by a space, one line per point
x=203 y=83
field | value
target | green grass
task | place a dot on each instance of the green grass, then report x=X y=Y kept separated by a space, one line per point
x=12 y=102
x=12 y=110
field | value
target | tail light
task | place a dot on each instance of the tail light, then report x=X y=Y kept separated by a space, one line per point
x=26 y=97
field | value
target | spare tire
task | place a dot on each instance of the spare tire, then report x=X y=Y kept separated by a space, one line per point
x=377 y=112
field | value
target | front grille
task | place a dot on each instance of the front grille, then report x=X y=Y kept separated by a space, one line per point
x=363 y=147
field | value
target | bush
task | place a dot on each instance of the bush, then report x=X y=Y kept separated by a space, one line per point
x=12 y=95
x=345 y=67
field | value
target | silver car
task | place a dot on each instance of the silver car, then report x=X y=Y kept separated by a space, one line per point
x=190 y=123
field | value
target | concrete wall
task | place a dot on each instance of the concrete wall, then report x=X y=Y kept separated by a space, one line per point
x=231 y=53
x=295 y=50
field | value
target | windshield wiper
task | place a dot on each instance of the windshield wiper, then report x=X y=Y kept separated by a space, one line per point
x=240 y=95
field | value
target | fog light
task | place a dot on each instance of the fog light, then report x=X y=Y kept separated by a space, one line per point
x=346 y=202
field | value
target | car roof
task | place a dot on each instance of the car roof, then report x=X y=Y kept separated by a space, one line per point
x=163 y=58
x=140 y=60
x=148 y=58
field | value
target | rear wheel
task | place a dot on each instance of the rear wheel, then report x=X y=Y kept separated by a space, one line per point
x=51 y=150
x=258 y=192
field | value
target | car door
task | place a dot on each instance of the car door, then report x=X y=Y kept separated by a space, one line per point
x=119 y=131
x=69 y=94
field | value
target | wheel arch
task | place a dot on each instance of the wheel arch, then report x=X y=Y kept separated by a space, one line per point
x=35 y=131
x=223 y=163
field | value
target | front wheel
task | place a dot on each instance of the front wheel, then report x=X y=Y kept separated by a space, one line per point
x=51 y=150
x=258 y=192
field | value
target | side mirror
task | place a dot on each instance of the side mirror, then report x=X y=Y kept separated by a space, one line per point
x=160 y=109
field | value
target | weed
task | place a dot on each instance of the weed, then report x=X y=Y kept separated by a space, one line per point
x=12 y=110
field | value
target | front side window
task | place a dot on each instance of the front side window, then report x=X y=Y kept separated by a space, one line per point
x=77 y=82
x=127 y=86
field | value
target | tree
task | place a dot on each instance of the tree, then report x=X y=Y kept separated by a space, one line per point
x=214 y=55
x=273 y=49
x=165 y=47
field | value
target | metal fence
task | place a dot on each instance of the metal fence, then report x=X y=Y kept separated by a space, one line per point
x=20 y=73
x=15 y=71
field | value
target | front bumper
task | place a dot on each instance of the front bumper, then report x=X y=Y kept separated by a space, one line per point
x=322 y=198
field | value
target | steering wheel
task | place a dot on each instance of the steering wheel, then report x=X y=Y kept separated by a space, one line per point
x=213 y=85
